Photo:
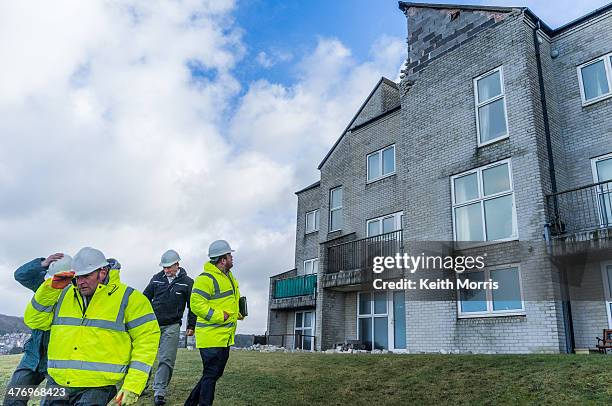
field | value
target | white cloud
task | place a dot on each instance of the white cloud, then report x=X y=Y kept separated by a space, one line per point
x=107 y=140
x=268 y=60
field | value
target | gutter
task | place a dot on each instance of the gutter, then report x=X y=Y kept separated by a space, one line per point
x=570 y=342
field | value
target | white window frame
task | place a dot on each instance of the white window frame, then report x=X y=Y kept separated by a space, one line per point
x=397 y=217
x=311 y=261
x=608 y=69
x=295 y=328
x=607 y=291
x=482 y=199
x=332 y=209
x=316 y=220
x=489 y=296
x=380 y=164
x=493 y=99
x=596 y=180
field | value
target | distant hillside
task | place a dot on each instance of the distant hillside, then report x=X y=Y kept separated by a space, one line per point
x=12 y=324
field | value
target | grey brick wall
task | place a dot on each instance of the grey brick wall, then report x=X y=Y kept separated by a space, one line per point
x=435 y=137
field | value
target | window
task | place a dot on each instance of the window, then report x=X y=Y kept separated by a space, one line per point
x=381 y=163
x=602 y=172
x=335 y=209
x=372 y=320
x=311 y=266
x=507 y=298
x=312 y=221
x=483 y=204
x=304 y=330
x=595 y=78
x=491 y=120
x=385 y=224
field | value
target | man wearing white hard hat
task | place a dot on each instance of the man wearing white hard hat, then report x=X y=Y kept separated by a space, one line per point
x=32 y=369
x=169 y=292
x=102 y=333
x=215 y=300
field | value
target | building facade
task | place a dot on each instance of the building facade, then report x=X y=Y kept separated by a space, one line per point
x=498 y=141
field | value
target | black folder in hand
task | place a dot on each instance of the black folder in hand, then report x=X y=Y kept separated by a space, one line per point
x=242 y=306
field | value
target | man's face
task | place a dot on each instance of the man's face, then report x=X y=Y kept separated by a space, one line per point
x=228 y=261
x=171 y=270
x=88 y=284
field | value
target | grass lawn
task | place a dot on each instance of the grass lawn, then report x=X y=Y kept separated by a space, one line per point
x=253 y=378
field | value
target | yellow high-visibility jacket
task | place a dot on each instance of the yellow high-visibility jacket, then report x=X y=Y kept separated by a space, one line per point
x=115 y=338
x=213 y=293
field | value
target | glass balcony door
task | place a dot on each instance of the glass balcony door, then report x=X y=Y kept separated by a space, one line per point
x=606 y=271
x=381 y=320
x=602 y=172
x=304 y=330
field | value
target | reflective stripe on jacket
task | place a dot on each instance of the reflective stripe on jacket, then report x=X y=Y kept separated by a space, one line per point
x=213 y=293
x=115 y=338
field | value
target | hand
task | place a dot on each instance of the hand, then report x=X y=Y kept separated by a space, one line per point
x=189 y=332
x=125 y=397
x=62 y=279
x=240 y=316
x=225 y=315
x=51 y=258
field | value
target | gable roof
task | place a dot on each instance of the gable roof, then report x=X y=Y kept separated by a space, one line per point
x=350 y=124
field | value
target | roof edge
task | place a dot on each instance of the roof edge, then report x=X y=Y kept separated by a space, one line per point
x=314 y=185
x=403 y=5
x=381 y=80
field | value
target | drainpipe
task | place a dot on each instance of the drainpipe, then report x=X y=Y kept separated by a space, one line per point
x=565 y=297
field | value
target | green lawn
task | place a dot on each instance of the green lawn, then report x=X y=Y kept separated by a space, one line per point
x=253 y=378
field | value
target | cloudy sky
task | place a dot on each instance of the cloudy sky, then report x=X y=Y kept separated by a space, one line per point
x=138 y=126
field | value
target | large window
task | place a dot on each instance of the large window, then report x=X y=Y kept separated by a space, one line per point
x=602 y=172
x=595 y=78
x=507 y=298
x=483 y=204
x=335 y=209
x=312 y=221
x=384 y=224
x=304 y=330
x=372 y=319
x=311 y=266
x=491 y=120
x=381 y=163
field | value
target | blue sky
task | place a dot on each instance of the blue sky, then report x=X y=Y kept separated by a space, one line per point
x=136 y=126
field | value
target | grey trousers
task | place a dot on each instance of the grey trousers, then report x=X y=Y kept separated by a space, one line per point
x=23 y=377
x=166 y=356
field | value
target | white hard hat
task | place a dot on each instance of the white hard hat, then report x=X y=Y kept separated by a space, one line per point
x=218 y=248
x=88 y=260
x=169 y=258
x=64 y=264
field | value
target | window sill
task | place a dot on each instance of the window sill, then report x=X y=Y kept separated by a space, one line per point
x=311 y=232
x=368 y=182
x=493 y=316
x=596 y=100
x=479 y=244
x=493 y=141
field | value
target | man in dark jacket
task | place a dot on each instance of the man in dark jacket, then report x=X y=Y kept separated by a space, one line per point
x=32 y=369
x=169 y=291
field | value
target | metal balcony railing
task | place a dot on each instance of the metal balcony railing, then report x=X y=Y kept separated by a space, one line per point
x=359 y=254
x=296 y=286
x=585 y=208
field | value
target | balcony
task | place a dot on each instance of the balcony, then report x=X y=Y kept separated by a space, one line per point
x=292 y=292
x=580 y=219
x=350 y=263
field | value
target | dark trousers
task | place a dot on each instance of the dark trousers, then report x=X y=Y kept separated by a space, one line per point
x=23 y=377
x=98 y=396
x=213 y=361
